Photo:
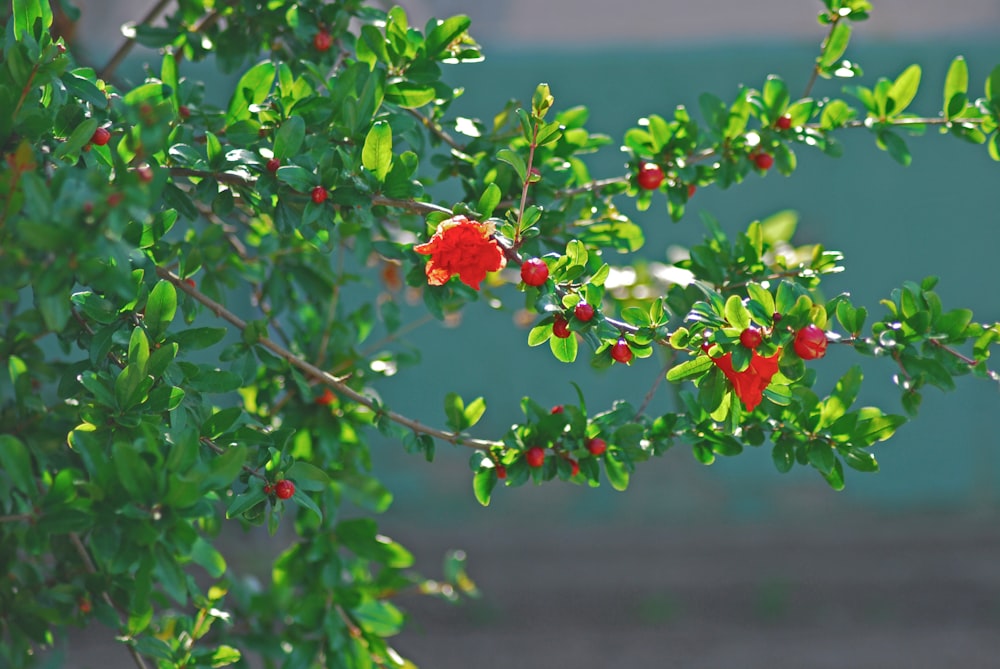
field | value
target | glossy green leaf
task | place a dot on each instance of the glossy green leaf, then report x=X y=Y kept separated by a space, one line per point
x=483 y=483
x=956 y=85
x=252 y=89
x=289 y=137
x=376 y=156
x=689 y=369
x=161 y=307
x=904 y=89
x=835 y=44
x=15 y=461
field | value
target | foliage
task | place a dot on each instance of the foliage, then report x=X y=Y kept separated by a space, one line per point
x=190 y=302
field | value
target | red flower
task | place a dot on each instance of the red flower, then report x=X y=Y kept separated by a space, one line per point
x=751 y=382
x=463 y=247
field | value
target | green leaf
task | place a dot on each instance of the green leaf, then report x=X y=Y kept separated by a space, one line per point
x=515 y=161
x=821 y=456
x=904 y=89
x=409 y=95
x=454 y=411
x=783 y=456
x=835 y=44
x=894 y=144
x=993 y=85
x=616 y=469
x=564 y=350
x=161 y=307
x=15 y=461
x=474 y=410
x=443 y=34
x=835 y=114
x=483 y=483
x=736 y=313
x=956 y=86
x=223 y=656
x=378 y=618
x=835 y=477
x=775 y=95
x=376 y=156
x=489 y=200
x=138 y=350
x=134 y=475
x=308 y=476
x=689 y=369
x=252 y=89
x=31 y=18
x=843 y=396
x=245 y=501
x=225 y=468
x=288 y=140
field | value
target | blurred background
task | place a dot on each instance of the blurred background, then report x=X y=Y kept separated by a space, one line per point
x=733 y=564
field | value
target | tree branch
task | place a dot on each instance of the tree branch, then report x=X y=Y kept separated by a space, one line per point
x=335 y=383
x=109 y=69
x=88 y=564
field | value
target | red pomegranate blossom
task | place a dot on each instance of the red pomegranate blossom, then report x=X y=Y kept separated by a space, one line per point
x=749 y=384
x=463 y=247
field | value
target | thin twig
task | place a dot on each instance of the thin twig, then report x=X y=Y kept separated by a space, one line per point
x=108 y=70
x=656 y=384
x=822 y=50
x=17 y=517
x=335 y=383
x=88 y=564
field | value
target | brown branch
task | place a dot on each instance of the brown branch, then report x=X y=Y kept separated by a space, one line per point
x=108 y=70
x=88 y=564
x=822 y=50
x=439 y=132
x=335 y=383
x=17 y=517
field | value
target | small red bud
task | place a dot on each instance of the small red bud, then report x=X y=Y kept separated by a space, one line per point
x=284 y=489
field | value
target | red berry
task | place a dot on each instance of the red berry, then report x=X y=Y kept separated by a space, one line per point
x=596 y=446
x=558 y=409
x=763 y=160
x=322 y=40
x=621 y=352
x=650 y=176
x=691 y=189
x=84 y=605
x=145 y=174
x=284 y=489
x=326 y=398
x=191 y=283
x=115 y=199
x=184 y=111
x=534 y=272
x=574 y=468
x=560 y=328
x=272 y=165
x=318 y=195
x=810 y=342
x=101 y=137
x=501 y=472
x=751 y=338
x=783 y=123
x=776 y=317
x=535 y=456
x=583 y=311
x=268 y=488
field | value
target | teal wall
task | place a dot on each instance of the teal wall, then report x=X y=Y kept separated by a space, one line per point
x=939 y=216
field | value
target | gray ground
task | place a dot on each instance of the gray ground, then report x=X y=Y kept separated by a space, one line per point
x=920 y=594
x=916 y=595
